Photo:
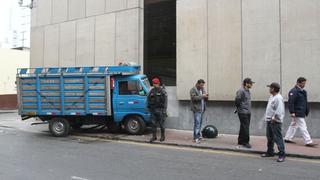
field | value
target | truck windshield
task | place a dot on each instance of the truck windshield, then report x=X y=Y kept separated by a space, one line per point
x=146 y=83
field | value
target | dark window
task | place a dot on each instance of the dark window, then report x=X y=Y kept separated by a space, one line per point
x=129 y=88
x=160 y=40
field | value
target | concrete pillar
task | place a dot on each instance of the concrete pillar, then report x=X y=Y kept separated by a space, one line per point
x=128 y=36
x=51 y=46
x=192 y=47
x=59 y=11
x=77 y=9
x=224 y=48
x=105 y=40
x=67 y=47
x=300 y=34
x=261 y=44
x=85 y=42
x=37 y=46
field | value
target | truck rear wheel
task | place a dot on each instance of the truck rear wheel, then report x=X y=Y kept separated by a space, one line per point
x=135 y=125
x=59 y=127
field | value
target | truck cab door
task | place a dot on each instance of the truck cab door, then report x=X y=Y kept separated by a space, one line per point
x=130 y=99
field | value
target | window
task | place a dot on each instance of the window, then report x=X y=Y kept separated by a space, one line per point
x=129 y=88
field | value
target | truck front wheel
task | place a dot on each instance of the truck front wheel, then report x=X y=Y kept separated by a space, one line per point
x=135 y=125
x=59 y=127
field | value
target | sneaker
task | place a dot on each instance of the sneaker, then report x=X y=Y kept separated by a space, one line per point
x=312 y=145
x=152 y=139
x=288 y=141
x=265 y=155
x=281 y=159
x=198 y=141
x=247 y=146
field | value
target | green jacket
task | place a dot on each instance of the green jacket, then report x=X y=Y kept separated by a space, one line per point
x=196 y=99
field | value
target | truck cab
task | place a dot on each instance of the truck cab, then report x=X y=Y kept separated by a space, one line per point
x=129 y=101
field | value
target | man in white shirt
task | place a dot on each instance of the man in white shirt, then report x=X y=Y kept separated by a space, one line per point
x=275 y=113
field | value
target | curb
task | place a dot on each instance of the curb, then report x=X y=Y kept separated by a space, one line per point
x=247 y=151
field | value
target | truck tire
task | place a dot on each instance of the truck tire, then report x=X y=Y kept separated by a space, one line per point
x=135 y=125
x=59 y=127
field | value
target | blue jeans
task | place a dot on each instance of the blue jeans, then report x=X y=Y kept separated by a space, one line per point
x=197 y=124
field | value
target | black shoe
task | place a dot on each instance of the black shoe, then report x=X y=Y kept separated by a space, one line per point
x=152 y=139
x=265 y=155
x=247 y=146
x=288 y=141
x=162 y=139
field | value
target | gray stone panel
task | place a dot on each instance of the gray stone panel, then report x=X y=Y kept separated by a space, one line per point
x=115 y=5
x=191 y=45
x=59 y=11
x=105 y=40
x=127 y=36
x=134 y=4
x=300 y=34
x=34 y=14
x=67 y=44
x=85 y=42
x=77 y=9
x=95 y=7
x=261 y=45
x=37 y=45
x=44 y=9
x=224 y=49
x=51 y=46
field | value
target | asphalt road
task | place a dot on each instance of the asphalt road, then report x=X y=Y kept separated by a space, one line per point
x=36 y=155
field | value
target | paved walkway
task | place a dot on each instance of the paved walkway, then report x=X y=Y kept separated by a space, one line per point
x=222 y=142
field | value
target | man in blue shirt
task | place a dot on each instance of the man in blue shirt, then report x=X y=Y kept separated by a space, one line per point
x=299 y=110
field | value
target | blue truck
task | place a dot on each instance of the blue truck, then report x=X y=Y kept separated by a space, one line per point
x=68 y=97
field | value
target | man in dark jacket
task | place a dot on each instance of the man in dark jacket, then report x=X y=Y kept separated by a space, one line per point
x=299 y=109
x=198 y=97
x=157 y=105
x=243 y=105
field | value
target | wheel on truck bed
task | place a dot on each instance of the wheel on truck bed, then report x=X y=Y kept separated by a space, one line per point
x=59 y=127
x=134 y=125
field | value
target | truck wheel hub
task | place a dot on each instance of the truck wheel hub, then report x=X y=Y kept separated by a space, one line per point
x=133 y=124
x=58 y=127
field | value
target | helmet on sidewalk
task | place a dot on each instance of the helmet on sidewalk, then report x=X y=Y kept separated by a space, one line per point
x=210 y=131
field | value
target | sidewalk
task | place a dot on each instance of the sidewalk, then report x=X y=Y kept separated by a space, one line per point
x=222 y=142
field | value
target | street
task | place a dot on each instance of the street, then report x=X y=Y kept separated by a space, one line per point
x=34 y=154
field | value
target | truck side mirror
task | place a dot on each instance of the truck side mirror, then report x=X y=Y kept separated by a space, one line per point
x=142 y=93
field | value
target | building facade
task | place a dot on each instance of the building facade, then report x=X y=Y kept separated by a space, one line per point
x=221 y=41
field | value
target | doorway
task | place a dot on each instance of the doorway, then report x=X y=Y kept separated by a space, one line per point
x=160 y=40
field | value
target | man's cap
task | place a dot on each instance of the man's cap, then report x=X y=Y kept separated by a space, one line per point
x=155 y=81
x=248 y=81
x=274 y=85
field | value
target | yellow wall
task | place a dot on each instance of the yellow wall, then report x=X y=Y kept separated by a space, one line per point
x=11 y=60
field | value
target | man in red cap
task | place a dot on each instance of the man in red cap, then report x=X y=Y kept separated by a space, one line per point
x=157 y=105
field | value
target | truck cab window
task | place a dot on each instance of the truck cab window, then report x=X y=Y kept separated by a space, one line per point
x=130 y=88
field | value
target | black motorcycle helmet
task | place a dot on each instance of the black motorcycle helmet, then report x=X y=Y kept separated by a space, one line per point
x=210 y=131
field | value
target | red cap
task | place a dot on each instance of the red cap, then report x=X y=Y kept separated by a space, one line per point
x=155 y=81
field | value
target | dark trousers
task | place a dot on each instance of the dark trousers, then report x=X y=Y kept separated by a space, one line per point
x=157 y=117
x=274 y=135
x=244 y=136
